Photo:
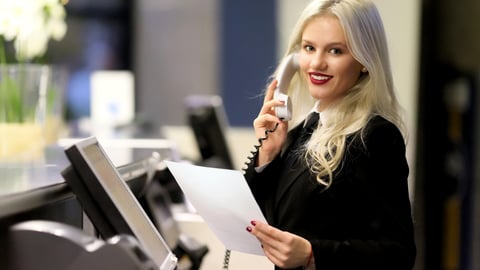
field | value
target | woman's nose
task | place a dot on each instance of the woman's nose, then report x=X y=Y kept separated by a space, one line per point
x=318 y=62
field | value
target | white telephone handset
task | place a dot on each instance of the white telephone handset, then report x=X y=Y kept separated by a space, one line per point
x=287 y=69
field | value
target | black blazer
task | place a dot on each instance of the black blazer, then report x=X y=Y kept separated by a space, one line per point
x=363 y=221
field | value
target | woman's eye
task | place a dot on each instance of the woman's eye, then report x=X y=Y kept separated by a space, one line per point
x=308 y=48
x=335 y=51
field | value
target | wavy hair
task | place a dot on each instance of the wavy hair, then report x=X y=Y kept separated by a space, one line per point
x=373 y=94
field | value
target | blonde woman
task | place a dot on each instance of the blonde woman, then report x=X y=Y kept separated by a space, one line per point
x=337 y=199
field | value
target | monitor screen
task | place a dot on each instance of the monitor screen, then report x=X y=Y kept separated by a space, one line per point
x=207 y=119
x=116 y=200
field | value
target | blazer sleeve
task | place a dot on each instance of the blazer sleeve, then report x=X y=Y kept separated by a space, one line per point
x=261 y=183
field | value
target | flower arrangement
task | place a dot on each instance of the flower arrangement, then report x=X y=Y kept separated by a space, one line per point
x=26 y=27
x=30 y=24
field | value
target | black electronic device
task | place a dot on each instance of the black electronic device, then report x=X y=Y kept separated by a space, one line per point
x=207 y=119
x=157 y=204
x=110 y=203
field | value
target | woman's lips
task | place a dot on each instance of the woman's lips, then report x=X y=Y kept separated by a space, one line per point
x=319 y=78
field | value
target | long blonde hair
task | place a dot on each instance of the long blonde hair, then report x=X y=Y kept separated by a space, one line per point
x=373 y=94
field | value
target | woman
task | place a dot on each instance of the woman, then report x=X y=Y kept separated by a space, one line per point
x=338 y=200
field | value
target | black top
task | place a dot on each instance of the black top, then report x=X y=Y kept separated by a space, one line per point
x=364 y=220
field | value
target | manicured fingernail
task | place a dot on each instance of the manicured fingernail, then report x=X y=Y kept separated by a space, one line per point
x=253 y=222
x=249 y=229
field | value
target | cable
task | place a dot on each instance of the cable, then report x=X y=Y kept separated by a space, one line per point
x=226 y=259
x=260 y=142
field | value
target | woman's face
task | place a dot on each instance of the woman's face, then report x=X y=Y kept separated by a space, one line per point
x=325 y=60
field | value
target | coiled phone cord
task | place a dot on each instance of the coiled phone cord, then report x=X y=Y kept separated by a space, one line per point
x=260 y=142
x=226 y=258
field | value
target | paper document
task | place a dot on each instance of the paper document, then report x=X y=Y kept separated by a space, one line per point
x=224 y=200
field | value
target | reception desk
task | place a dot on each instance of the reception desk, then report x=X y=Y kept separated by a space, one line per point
x=37 y=190
x=33 y=192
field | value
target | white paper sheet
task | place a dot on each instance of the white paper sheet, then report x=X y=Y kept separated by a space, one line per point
x=224 y=200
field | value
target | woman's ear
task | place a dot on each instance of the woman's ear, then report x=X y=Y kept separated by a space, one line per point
x=364 y=70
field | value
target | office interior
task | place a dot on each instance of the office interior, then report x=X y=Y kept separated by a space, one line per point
x=177 y=49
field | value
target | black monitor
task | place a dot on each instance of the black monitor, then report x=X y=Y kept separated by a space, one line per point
x=110 y=203
x=207 y=119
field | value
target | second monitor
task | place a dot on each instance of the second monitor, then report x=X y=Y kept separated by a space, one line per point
x=207 y=119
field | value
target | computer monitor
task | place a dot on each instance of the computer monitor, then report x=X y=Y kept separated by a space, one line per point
x=207 y=119
x=111 y=201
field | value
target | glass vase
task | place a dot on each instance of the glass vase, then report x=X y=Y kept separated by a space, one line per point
x=31 y=102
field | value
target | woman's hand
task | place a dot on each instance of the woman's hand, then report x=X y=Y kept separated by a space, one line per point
x=267 y=120
x=283 y=249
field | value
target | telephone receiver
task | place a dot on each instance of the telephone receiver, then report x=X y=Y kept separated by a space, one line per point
x=287 y=69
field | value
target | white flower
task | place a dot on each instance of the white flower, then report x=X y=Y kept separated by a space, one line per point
x=30 y=24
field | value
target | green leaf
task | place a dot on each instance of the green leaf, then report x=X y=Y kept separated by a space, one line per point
x=11 y=100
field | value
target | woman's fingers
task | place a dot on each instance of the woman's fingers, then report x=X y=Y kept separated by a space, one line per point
x=282 y=248
x=274 y=255
x=269 y=102
x=266 y=233
x=272 y=247
x=270 y=91
x=269 y=129
x=266 y=121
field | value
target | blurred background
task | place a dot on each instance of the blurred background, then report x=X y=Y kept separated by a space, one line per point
x=229 y=48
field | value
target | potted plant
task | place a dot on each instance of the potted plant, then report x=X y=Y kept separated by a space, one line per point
x=26 y=94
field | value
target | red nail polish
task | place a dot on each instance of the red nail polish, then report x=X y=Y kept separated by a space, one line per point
x=249 y=229
x=253 y=222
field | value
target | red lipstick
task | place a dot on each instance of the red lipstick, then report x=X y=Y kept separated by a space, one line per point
x=319 y=78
